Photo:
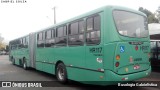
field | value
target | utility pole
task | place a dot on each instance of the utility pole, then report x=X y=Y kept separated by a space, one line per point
x=54 y=8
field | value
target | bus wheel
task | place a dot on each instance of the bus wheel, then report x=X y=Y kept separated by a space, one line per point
x=61 y=73
x=25 y=65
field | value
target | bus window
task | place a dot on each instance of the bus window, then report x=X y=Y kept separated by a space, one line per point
x=40 y=41
x=44 y=36
x=89 y=24
x=39 y=37
x=48 y=34
x=81 y=26
x=97 y=23
x=20 y=45
x=24 y=42
x=93 y=30
x=65 y=31
x=48 y=37
x=27 y=42
x=52 y=41
x=130 y=24
x=61 y=36
x=76 y=33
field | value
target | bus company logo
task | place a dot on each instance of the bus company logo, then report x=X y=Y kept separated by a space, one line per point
x=6 y=84
x=122 y=49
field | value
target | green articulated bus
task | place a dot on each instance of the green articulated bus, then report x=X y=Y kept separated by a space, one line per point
x=101 y=47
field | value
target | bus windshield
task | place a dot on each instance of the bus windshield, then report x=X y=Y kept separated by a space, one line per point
x=130 y=24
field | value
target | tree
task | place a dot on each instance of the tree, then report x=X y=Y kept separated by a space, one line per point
x=158 y=13
x=151 y=17
x=2 y=45
x=147 y=12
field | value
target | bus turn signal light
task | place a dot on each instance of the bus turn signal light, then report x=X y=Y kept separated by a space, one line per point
x=117 y=57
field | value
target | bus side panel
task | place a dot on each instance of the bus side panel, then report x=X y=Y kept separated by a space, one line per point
x=94 y=57
x=47 y=65
x=85 y=76
x=76 y=74
x=49 y=68
x=40 y=58
x=109 y=51
x=73 y=57
x=39 y=66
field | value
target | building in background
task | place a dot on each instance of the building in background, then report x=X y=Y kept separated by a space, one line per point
x=154 y=31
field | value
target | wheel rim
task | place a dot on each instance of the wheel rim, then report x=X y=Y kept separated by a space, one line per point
x=61 y=73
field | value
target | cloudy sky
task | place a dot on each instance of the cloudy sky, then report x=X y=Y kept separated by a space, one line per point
x=18 y=19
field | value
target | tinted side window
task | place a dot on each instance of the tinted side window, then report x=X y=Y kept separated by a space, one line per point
x=49 y=38
x=60 y=37
x=81 y=26
x=20 y=45
x=89 y=24
x=93 y=30
x=12 y=45
x=97 y=23
x=60 y=32
x=26 y=42
x=65 y=31
x=48 y=34
x=76 y=33
x=52 y=41
x=40 y=40
x=15 y=44
x=74 y=28
x=39 y=37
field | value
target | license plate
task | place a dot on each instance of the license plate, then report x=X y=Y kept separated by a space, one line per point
x=136 y=67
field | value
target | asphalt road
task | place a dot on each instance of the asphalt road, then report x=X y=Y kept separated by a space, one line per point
x=9 y=72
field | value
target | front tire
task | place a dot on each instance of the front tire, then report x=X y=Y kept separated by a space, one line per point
x=61 y=73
